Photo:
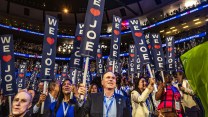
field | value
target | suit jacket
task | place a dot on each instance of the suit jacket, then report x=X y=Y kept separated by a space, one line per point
x=46 y=112
x=94 y=106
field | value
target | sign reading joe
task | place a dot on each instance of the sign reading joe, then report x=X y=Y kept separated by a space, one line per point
x=99 y=61
x=21 y=80
x=116 y=38
x=7 y=65
x=170 y=54
x=49 y=49
x=157 y=52
x=76 y=60
x=93 y=22
x=132 y=55
x=139 y=40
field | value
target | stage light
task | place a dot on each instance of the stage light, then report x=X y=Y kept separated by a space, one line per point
x=206 y=20
x=65 y=10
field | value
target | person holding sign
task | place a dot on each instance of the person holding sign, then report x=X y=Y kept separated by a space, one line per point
x=21 y=104
x=106 y=103
x=170 y=99
x=141 y=103
x=64 y=107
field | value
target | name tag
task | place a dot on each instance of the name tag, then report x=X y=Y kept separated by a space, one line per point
x=177 y=105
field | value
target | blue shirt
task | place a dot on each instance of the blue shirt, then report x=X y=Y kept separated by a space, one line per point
x=60 y=112
x=112 y=107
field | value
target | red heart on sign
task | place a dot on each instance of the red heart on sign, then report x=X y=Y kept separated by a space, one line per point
x=99 y=55
x=149 y=46
x=110 y=68
x=116 y=32
x=6 y=58
x=95 y=12
x=138 y=34
x=50 y=40
x=170 y=49
x=131 y=55
x=63 y=75
x=157 y=46
x=21 y=75
x=79 y=38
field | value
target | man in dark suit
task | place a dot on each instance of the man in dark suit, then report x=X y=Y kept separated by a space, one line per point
x=106 y=103
x=53 y=90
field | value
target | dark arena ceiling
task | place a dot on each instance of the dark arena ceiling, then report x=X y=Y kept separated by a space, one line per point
x=75 y=6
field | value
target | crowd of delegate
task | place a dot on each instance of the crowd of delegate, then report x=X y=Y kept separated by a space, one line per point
x=116 y=97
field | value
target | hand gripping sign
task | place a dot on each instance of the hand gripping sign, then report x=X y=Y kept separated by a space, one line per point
x=49 y=52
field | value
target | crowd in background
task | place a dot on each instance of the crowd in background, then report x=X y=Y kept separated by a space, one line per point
x=173 y=98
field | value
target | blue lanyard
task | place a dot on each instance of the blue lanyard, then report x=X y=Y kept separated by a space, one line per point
x=106 y=106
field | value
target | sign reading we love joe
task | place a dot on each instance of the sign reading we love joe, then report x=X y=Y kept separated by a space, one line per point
x=92 y=28
x=116 y=38
x=139 y=40
x=7 y=65
x=49 y=49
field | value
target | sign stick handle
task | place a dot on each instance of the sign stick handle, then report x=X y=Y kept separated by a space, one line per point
x=113 y=69
x=85 y=74
x=163 y=78
x=138 y=74
x=151 y=75
x=44 y=92
x=73 y=82
x=10 y=104
x=132 y=78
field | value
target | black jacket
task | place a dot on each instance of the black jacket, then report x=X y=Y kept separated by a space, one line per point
x=94 y=106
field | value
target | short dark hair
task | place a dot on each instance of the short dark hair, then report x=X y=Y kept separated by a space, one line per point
x=52 y=85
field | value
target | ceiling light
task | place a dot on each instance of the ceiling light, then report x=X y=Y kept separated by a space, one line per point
x=168 y=32
x=174 y=30
x=196 y=20
x=185 y=26
x=65 y=10
x=172 y=27
x=162 y=31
